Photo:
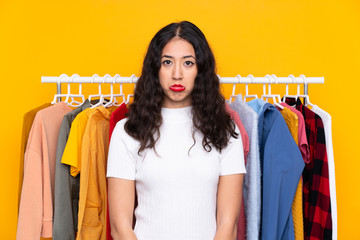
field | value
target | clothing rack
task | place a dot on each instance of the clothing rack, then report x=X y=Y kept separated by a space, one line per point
x=250 y=79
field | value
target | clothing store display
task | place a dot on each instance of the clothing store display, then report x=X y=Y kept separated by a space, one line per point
x=66 y=186
x=281 y=165
x=251 y=184
x=165 y=181
x=27 y=123
x=292 y=121
x=316 y=192
x=36 y=203
x=116 y=116
x=326 y=118
x=285 y=153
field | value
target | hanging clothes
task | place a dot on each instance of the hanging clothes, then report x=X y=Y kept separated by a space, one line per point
x=241 y=231
x=27 y=123
x=292 y=122
x=298 y=214
x=244 y=136
x=326 y=118
x=302 y=139
x=115 y=117
x=282 y=165
x=93 y=191
x=66 y=186
x=252 y=180
x=317 y=206
x=72 y=151
x=36 y=204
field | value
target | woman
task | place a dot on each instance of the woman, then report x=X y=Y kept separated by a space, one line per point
x=178 y=149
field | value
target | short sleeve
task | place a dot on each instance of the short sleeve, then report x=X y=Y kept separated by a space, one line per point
x=232 y=157
x=121 y=163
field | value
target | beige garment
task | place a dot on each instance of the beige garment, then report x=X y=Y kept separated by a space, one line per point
x=27 y=123
x=37 y=194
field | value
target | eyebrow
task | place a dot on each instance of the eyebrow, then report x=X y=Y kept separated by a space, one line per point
x=188 y=56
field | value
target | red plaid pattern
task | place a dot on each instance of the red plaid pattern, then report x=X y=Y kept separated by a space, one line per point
x=316 y=190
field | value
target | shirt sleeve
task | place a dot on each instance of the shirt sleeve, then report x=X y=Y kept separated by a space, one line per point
x=232 y=157
x=121 y=163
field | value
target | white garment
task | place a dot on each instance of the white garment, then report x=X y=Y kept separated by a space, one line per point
x=176 y=191
x=326 y=118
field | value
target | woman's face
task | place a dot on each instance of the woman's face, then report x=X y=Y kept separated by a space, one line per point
x=177 y=73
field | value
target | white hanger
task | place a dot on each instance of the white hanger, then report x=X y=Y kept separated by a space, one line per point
x=112 y=99
x=130 y=95
x=287 y=90
x=271 y=96
x=234 y=87
x=73 y=102
x=307 y=100
x=56 y=96
x=247 y=89
x=99 y=95
x=116 y=103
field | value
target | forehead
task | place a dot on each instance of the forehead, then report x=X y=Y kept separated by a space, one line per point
x=178 y=47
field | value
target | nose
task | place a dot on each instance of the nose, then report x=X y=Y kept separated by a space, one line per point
x=177 y=72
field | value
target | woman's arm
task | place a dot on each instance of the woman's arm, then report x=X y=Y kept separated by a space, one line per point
x=228 y=206
x=121 y=194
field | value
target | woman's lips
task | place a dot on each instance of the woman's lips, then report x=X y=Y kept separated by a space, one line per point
x=177 y=88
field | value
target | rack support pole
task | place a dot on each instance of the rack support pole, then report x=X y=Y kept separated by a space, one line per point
x=58 y=90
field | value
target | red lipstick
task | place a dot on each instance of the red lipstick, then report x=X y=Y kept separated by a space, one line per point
x=177 y=88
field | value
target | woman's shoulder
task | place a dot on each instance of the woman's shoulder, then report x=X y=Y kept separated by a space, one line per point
x=120 y=133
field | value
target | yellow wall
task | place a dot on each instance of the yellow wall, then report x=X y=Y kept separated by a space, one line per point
x=315 y=38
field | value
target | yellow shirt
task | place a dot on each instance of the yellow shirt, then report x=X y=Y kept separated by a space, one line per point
x=292 y=122
x=72 y=151
x=93 y=193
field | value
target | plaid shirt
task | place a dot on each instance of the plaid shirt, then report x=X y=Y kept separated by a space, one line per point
x=316 y=190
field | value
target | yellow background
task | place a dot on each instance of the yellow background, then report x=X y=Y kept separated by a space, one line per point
x=315 y=38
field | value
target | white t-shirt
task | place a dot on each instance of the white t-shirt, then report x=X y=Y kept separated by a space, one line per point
x=326 y=118
x=176 y=191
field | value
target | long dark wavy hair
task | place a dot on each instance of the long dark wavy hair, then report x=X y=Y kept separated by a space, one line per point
x=208 y=104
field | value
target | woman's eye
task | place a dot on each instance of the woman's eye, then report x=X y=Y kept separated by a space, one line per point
x=167 y=62
x=189 y=63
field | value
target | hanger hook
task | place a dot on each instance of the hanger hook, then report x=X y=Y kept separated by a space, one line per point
x=105 y=77
x=246 y=86
x=116 y=77
x=268 y=77
x=61 y=77
x=93 y=77
x=275 y=77
x=302 y=76
x=287 y=85
x=238 y=77
x=72 y=79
